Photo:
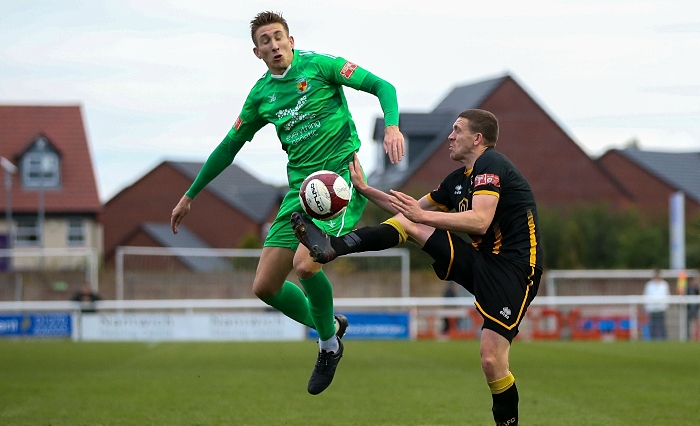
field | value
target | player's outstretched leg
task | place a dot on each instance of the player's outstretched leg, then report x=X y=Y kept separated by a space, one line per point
x=341 y=325
x=324 y=370
x=313 y=238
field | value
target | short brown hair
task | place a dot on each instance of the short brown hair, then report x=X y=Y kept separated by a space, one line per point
x=266 y=18
x=484 y=122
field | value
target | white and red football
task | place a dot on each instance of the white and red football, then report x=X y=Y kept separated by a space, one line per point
x=324 y=195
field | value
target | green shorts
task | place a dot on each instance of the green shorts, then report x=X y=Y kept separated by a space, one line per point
x=281 y=233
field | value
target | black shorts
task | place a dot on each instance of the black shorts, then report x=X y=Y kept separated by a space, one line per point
x=503 y=289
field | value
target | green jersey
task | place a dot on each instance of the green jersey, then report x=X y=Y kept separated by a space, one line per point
x=308 y=108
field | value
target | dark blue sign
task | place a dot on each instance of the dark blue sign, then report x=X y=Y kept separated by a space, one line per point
x=36 y=325
x=375 y=326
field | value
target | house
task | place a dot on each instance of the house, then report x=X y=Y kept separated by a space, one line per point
x=52 y=198
x=558 y=170
x=232 y=207
x=651 y=177
x=236 y=205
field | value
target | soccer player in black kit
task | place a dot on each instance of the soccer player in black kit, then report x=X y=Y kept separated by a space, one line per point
x=488 y=199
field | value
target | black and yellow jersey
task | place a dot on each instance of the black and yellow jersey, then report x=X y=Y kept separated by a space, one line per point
x=514 y=232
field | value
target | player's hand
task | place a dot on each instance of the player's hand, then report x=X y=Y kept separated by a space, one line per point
x=357 y=175
x=179 y=212
x=394 y=144
x=407 y=205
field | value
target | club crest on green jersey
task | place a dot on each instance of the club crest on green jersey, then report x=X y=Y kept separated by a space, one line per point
x=302 y=85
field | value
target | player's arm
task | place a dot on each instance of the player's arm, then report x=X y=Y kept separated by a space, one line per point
x=475 y=221
x=386 y=93
x=346 y=73
x=380 y=198
x=357 y=176
x=218 y=160
x=246 y=125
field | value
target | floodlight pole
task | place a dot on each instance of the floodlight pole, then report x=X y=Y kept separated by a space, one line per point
x=677 y=230
x=677 y=248
x=10 y=169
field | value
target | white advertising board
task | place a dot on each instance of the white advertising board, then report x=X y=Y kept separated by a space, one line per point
x=194 y=326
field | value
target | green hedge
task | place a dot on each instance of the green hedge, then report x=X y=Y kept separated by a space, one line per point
x=594 y=237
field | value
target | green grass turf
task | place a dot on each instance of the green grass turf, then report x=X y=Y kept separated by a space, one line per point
x=403 y=383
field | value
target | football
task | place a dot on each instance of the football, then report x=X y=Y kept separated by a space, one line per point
x=324 y=195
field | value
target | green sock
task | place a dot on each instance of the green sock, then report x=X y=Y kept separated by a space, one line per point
x=320 y=296
x=292 y=302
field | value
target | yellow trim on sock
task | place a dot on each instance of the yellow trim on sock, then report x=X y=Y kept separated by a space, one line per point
x=502 y=385
x=399 y=228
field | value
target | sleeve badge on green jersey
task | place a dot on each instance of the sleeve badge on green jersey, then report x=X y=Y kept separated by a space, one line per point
x=348 y=69
x=237 y=123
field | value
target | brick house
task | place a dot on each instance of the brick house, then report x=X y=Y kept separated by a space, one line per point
x=53 y=200
x=236 y=204
x=559 y=171
x=651 y=177
x=232 y=207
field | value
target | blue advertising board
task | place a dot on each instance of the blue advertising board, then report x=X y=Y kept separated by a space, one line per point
x=36 y=325
x=373 y=325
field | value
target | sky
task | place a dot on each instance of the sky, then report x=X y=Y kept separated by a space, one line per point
x=165 y=80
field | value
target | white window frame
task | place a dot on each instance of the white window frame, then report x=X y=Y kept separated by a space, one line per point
x=40 y=170
x=27 y=235
x=76 y=231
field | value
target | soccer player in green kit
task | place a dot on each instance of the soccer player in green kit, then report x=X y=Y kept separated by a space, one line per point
x=302 y=96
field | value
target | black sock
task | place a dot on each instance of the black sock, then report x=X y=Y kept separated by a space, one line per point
x=505 y=407
x=369 y=238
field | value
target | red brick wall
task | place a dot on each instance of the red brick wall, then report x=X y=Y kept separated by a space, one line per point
x=650 y=194
x=152 y=199
x=559 y=171
x=431 y=173
x=150 y=263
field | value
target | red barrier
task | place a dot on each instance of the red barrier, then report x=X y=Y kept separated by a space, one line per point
x=583 y=328
x=429 y=332
x=474 y=320
x=455 y=326
x=547 y=324
x=600 y=327
x=545 y=314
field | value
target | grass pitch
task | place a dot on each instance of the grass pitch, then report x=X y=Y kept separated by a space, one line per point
x=50 y=382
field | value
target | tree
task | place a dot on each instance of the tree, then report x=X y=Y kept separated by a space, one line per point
x=692 y=242
x=598 y=237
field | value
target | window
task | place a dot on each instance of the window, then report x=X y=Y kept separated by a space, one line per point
x=28 y=233
x=40 y=166
x=40 y=170
x=76 y=232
